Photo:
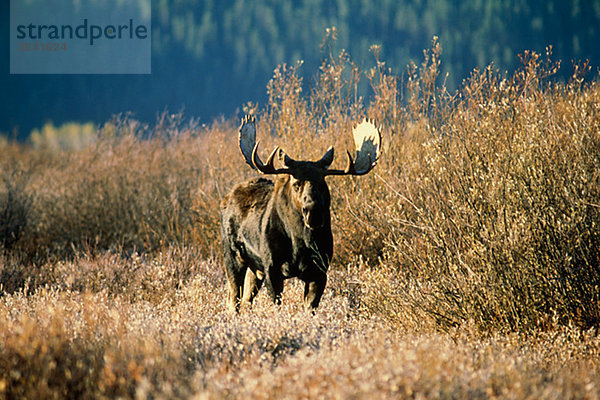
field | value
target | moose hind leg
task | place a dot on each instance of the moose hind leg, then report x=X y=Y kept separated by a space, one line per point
x=235 y=276
x=252 y=284
x=236 y=281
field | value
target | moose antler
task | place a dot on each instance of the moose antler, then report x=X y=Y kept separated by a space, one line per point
x=249 y=148
x=367 y=139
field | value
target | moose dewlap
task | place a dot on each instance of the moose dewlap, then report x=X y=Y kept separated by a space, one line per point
x=274 y=230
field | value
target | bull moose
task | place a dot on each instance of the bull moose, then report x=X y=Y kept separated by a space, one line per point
x=272 y=231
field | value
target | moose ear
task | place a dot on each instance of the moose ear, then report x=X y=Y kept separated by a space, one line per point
x=327 y=159
x=288 y=161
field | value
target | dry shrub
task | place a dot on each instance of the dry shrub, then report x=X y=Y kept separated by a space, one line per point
x=376 y=364
x=93 y=339
x=481 y=219
x=15 y=205
x=497 y=222
x=483 y=208
x=148 y=327
x=70 y=135
x=134 y=187
x=65 y=344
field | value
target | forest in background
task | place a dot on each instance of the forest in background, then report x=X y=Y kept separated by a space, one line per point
x=209 y=57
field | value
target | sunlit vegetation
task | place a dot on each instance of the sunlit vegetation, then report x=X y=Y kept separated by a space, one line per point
x=466 y=265
x=71 y=135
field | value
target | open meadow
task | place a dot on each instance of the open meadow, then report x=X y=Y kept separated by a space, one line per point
x=466 y=265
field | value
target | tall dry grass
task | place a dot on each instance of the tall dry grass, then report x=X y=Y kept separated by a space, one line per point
x=497 y=224
x=483 y=208
x=136 y=328
x=465 y=265
x=485 y=205
x=134 y=188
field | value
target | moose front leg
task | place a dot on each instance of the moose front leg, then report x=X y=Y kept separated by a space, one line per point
x=313 y=290
x=274 y=284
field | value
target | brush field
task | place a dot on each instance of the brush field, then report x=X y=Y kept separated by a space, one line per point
x=466 y=265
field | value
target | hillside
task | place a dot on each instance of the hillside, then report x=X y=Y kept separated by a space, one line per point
x=209 y=58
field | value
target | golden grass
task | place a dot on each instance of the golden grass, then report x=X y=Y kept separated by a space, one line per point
x=466 y=264
x=171 y=336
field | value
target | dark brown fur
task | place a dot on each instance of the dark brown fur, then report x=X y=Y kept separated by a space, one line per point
x=251 y=194
x=274 y=231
